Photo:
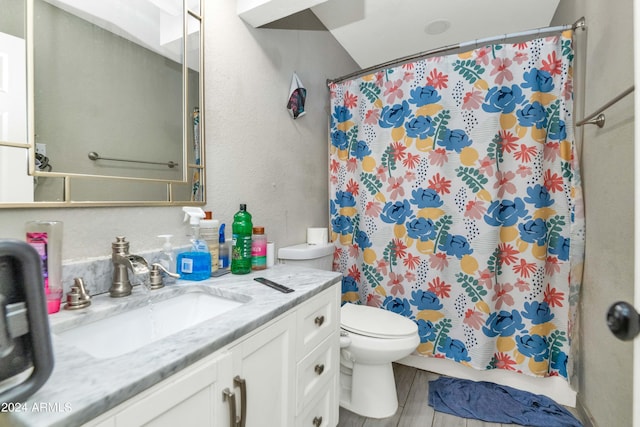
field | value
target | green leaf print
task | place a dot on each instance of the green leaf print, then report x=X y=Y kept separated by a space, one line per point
x=440 y=122
x=472 y=177
x=567 y=50
x=495 y=151
x=352 y=136
x=554 y=227
x=388 y=160
x=370 y=90
x=556 y=342
x=443 y=225
x=470 y=70
x=443 y=327
x=471 y=287
x=372 y=275
x=553 y=112
x=494 y=265
x=567 y=172
x=371 y=182
x=390 y=255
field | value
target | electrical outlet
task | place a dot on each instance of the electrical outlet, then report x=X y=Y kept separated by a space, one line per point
x=41 y=149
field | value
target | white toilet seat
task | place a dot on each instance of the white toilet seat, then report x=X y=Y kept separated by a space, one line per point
x=375 y=322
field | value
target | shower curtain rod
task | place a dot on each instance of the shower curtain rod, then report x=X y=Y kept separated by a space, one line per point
x=580 y=23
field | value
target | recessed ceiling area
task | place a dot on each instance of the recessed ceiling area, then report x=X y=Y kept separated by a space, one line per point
x=377 y=31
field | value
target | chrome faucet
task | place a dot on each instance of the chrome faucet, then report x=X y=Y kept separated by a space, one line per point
x=122 y=263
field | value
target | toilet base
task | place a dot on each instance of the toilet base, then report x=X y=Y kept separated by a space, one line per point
x=370 y=390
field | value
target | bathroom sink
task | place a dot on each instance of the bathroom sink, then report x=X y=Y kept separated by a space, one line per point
x=133 y=329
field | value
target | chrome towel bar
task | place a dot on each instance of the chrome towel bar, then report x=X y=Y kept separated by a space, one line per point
x=95 y=156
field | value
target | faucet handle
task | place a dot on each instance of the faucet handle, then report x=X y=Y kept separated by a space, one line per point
x=78 y=297
x=155 y=275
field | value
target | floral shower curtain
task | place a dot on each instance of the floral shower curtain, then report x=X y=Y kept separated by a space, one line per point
x=456 y=202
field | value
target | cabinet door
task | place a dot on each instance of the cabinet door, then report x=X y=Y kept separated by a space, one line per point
x=266 y=362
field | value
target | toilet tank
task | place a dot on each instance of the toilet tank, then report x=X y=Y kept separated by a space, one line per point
x=305 y=255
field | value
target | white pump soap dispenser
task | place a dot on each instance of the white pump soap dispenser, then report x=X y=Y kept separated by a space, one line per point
x=166 y=259
x=195 y=264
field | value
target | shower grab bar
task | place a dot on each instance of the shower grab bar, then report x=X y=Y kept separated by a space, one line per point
x=95 y=156
x=598 y=118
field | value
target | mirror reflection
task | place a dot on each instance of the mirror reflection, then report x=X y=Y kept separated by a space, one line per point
x=110 y=100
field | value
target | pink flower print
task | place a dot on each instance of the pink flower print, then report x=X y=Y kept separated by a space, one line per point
x=373 y=209
x=473 y=318
x=522 y=285
x=482 y=57
x=567 y=90
x=352 y=164
x=438 y=261
x=407 y=76
x=486 y=278
x=334 y=166
x=354 y=251
x=551 y=151
x=475 y=209
x=409 y=176
x=472 y=100
x=395 y=187
x=501 y=70
x=551 y=266
x=381 y=173
x=438 y=157
x=501 y=295
x=381 y=266
x=393 y=90
x=521 y=57
x=395 y=282
x=380 y=78
x=408 y=66
x=333 y=179
x=410 y=276
x=504 y=184
x=374 y=300
x=524 y=171
x=372 y=116
x=486 y=166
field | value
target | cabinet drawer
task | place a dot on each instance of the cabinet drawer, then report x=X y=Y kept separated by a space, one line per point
x=316 y=370
x=322 y=411
x=317 y=320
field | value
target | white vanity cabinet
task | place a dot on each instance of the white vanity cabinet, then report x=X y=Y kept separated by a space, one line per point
x=284 y=373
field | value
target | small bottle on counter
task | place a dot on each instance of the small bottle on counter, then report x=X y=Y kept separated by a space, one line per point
x=223 y=253
x=258 y=249
x=46 y=238
x=209 y=232
x=241 y=249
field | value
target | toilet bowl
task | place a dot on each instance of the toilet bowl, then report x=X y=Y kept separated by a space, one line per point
x=370 y=339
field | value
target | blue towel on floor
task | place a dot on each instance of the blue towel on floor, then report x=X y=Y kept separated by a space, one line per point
x=497 y=404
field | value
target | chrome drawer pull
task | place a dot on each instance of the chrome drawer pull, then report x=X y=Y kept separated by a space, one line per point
x=319 y=320
x=317 y=421
x=240 y=382
x=319 y=369
x=230 y=396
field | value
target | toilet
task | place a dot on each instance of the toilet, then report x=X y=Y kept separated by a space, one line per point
x=370 y=340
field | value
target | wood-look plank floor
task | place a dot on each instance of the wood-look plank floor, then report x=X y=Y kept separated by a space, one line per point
x=413 y=410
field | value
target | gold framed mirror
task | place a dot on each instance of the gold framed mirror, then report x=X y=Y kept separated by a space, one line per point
x=108 y=112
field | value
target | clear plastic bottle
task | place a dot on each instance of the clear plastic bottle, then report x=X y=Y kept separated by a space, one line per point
x=166 y=259
x=209 y=232
x=196 y=263
x=223 y=254
x=46 y=238
x=241 y=249
x=258 y=249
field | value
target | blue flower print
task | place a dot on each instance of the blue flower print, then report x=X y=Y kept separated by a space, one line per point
x=420 y=127
x=503 y=324
x=424 y=95
x=332 y=207
x=397 y=305
x=396 y=212
x=503 y=100
x=534 y=231
x=532 y=115
x=342 y=224
x=538 y=80
x=360 y=149
x=533 y=346
x=362 y=240
x=421 y=228
x=539 y=196
x=537 y=312
x=425 y=300
x=393 y=117
x=426 y=330
x=455 y=140
x=559 y=362
x=560 y=247
x=349 y=284
x=454 y=349
x=339 y=139
x=456 y=245
x=505 y=213
x=557 y=130
x=426 y=198
x=345 y=199
x=341 y=114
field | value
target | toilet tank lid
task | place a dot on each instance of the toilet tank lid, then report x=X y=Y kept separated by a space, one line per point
x=375 y=322
x=305 y=251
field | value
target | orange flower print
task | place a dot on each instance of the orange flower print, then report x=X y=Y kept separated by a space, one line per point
x=507 y=141
x=354 y=272
x=440 y=184
x=473 y=318
x=504 y=361
x=525 y=154
x=553 y=183
x=411 y=261
x=475 y=209
x=437 y=79
x=334 y=166
x=553 y=297
x=395 y=283
x=507 y=254
x=350 y=100
x=353 y=187
x=398 y=150
x=399 y=248
x=552 y=65
x=440 y=288
x=524 y=269
x=411 y=161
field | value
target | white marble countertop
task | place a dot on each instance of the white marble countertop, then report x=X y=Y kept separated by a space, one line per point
x=82 y=387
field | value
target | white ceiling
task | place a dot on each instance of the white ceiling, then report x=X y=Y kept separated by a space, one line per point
x=377 y=31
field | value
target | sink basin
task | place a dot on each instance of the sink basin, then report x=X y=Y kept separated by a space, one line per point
x=133 y=329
